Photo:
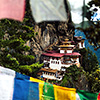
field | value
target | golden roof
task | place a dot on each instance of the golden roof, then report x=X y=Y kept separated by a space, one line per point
x=66 y=46
x=66 y=42
x=66 y=39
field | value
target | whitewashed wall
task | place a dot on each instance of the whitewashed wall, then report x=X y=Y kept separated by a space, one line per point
x=55 y=64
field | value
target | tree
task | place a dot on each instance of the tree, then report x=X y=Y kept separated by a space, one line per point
x=13 y=51
x=74 y=78
x=91 y=68
x=14 y=54
x=89 y=60
x=94 y=80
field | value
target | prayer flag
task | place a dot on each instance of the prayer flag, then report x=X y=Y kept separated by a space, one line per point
x=98 y=97
x=24 y=89
x=84 y=95
x=12 y=9
x=15 y=86
x=41 y=84
x=77 y=97
x=6 y=83
x=77 y=15
x=48 y=10
x=48 y=92
x=62 y=93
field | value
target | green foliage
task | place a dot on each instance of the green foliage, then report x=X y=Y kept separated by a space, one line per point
x=30 y=70
x=72 y=76
x=89 y=60
x=92 y=70
x=92 y=34
x=94 y=80
x=14 y=54
x=13 y=51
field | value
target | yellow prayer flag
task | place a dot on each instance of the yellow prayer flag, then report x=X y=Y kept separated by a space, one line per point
x=62 y=93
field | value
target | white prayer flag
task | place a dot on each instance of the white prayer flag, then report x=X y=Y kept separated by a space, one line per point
x=6 y=83
x=48 y=10
x=76 y=7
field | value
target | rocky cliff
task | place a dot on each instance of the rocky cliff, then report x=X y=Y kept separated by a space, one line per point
x=49 y=34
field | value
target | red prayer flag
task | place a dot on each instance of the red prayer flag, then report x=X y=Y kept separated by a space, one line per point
x=12 y=9
x=98 y=97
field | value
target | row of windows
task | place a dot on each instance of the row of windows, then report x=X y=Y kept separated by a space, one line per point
x=66 y=57
x=48 y=73
x=82 y=44
x=55 y=62
x=47 y=58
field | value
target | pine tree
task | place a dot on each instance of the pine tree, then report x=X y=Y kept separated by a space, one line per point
x=91 y=67
x=89 y=60
x=14 y=54
x=94 y=80
x=74 y=78
x=13 y=51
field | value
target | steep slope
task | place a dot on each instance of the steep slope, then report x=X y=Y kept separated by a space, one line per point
x=97 y=52
x=49 y=35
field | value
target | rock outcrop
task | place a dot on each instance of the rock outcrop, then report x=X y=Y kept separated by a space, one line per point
x=49 y=34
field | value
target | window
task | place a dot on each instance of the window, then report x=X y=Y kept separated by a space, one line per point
x=67 y=57
x=68 y=62
x=50 y=74
x=82 y=44
x=61 y=62
x=56 y=62
x=78 y=45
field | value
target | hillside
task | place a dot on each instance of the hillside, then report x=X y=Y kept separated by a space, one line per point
x=87 y=45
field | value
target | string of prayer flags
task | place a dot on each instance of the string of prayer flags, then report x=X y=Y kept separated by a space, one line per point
x=16 y=86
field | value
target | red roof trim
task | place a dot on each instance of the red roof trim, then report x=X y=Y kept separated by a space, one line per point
x=53 y=54
x=61 y=54
x=73 y=54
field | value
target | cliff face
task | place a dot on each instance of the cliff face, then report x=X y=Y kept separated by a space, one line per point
x=49 y=35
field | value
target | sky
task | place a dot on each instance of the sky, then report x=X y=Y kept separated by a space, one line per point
x=96 y=15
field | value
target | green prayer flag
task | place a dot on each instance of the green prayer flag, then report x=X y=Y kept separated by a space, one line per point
x=48 y=91
x=84 y=95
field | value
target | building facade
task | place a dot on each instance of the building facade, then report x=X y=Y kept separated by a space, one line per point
x=56 y=62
